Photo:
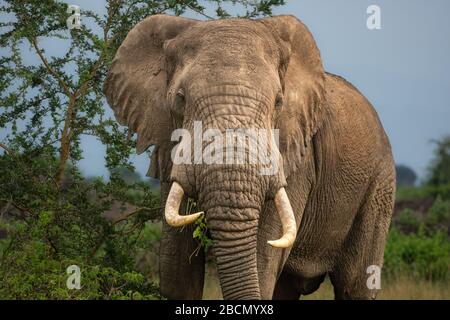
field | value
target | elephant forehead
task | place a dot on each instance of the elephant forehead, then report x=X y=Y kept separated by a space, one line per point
x=248 y=38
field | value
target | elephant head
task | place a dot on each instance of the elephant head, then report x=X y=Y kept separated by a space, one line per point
x=264 y=74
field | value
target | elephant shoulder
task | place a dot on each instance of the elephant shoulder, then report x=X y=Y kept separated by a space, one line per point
x=345 y=97
x=349 y=108
x=353 y=120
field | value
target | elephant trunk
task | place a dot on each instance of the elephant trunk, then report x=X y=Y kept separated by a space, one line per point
x=234 y=245
x=233 y=199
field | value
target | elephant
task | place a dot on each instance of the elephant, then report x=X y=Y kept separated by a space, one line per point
x=330 y=202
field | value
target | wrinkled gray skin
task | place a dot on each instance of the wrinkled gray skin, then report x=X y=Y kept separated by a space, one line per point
x=336 y=161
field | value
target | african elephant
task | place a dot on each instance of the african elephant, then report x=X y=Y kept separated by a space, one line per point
x=329 y=204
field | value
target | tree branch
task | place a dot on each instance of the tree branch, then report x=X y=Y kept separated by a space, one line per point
x=123 y=218
x=17 y=206
x=198 y=11
x=44 y=61
x=7 y=150
x=128 y=215
x=85 y=85
x=66 y=138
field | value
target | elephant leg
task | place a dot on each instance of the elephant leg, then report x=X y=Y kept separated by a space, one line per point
x=181 y=271
x=271 y=260
x=291 y=287
x=365 y=243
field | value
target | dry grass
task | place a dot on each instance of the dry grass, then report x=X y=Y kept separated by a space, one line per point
x=415 y=290
x=211 y=290
x=400 y=289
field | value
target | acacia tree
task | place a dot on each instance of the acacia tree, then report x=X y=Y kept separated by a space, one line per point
x=439 y=170
x=54 y=215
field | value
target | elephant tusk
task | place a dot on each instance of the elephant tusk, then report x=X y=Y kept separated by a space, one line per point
x=171 y=212
x=287 y=221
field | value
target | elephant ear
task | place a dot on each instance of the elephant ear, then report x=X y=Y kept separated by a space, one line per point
x=136 y=86
x=303 y=76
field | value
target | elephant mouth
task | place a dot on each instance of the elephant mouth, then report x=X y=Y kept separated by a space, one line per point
x=282 y=204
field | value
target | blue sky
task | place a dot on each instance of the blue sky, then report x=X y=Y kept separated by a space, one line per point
x=403 y=69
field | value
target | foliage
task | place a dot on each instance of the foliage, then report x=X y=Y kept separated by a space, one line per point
x=418 y=256
x=201 y=233
x=439 y=170
x=53 y=216
x=421 y=192
x=52 y=228
x=146 y=250
x=438 y=217
x=127 y=175
x=34 y=272
x=405 y=175
x=201 y=230
x=438 y=181
x=408 y=221
x=418 y=245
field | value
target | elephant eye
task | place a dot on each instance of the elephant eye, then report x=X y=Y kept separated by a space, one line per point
x=179 y=98
x=180 y=94
x=278 y=101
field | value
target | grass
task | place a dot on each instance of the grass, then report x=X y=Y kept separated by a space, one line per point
x=415 y=290
x=398 y=289
x=211 y=289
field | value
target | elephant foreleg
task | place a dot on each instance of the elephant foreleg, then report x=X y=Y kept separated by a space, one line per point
x=365 y=243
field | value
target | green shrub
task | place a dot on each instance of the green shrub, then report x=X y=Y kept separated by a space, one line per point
x=408 y=193
x=146 y=254
x=418 y=256
x=49 y=229
x=438 y=216
x=34 y=274
x=408 y=221
x=30 y=268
